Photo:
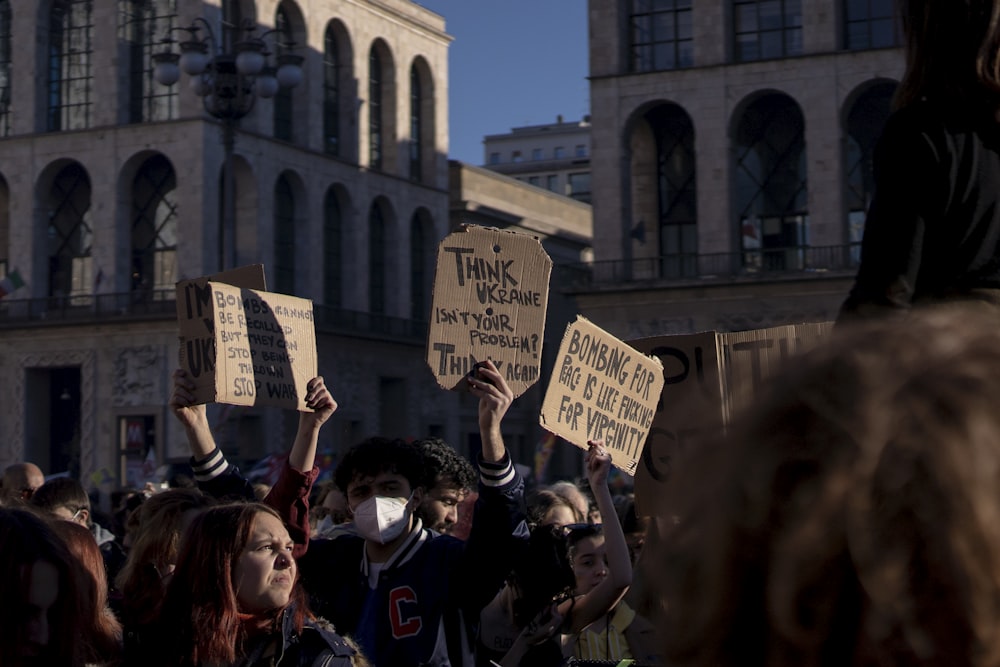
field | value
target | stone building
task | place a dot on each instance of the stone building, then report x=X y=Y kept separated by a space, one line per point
x=553 y=156
x=112 y=188
x=731 y=158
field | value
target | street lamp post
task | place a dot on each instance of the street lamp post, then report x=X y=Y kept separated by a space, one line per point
x=229 y=84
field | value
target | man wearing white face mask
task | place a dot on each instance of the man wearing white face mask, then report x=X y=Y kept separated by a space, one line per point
x=398 y=588
x=401 y=590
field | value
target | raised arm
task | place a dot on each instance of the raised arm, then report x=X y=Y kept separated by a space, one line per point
x=495 y=397
x=290 y=494
x=320 y=401
x=215 y=476
x=192 y=417
x=587 y=608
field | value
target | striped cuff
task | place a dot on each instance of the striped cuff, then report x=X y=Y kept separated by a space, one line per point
x=496 y=474
x=209 y=467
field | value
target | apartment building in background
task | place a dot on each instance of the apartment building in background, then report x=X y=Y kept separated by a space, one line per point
x=554 y=157
x=731 y=155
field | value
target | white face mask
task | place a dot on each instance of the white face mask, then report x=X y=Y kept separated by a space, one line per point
x=381 y=519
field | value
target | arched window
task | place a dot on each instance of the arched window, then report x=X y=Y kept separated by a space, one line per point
x=865 y=121
x=69 y=235
x=284 y=39
x=235 y=17
x=144 y=24
x=416 y=123
x=284 y=236
x=333 y=260
x=5 y=78
x=69 y=65
x=771 y=187
x=676 y=206
x=154 y=228
x=4 y=227
x=331 y=93
x=376 y=260
x=764 y=29
x=374 y=109
x=660 y=34
x=871 y=24
x=421 y=258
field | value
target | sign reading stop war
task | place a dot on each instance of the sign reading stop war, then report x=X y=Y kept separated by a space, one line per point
x=602 y=389
x=491 y=290
x=262 y=351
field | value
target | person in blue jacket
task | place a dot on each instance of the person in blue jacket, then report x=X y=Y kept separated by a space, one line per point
x=407 y=595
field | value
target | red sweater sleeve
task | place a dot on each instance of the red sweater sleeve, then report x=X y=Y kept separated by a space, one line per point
x=290 y=498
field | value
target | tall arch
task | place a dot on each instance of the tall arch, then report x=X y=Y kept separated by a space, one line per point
x=422 y=257
x=286 y=215
x=864 y=118
x=154 y=216
x=422 y=127
x=339 y=92
x=69 y=65
x=143 y=24
x=381 y=108
x=5 y=61
x=67 y=238
x=377 y=257
x=770 y=183
x=334 y=208
x=236 y=15
x=5 y=254
x=290 y=104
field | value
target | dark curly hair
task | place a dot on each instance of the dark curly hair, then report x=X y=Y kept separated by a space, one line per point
x=444 y=464
x=377 y=454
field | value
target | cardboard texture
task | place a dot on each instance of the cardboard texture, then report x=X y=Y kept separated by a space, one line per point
x=602 y=389
x=260 y=349
x=197 y=328
x=709 y=378
x=491 y=290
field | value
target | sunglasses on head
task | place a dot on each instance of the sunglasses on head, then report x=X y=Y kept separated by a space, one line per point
x=580 y=530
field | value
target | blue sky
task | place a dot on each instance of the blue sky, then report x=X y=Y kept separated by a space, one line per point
x=512 y=63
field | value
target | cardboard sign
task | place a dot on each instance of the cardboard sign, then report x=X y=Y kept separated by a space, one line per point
x=708 y=378
x=602 y=389
x=491 y=290
x=261 y=346
x=197 y=326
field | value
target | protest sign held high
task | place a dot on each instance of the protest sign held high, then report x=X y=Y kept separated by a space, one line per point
x=246 y=346
x=708 y=376
x=602 y=389
x=491 y=290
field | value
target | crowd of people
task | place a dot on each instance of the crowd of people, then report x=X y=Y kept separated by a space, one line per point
x=372 y=569
x=849 y=516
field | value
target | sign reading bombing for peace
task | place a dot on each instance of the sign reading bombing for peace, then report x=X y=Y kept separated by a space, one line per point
x=602 y=389
x=260 y=347
x=491 y=290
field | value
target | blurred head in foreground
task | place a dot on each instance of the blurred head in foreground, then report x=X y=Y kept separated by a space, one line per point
x=852 y=517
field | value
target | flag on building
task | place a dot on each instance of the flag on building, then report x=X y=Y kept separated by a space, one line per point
x=12 y=282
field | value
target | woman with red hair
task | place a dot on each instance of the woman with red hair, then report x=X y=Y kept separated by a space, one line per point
x=234 y=598
x=104 y=643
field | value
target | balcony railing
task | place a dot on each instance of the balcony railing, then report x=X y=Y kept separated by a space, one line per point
x=160 y=305
x=748 y=265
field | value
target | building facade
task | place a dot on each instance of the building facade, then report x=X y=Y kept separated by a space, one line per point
x=555 y=156
x=111 y=189
x=731 y=158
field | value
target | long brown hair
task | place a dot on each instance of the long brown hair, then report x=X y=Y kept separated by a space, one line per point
x=27 y=540
x=200 y=621
x=952 y=52
x=850 y=517
x=105 y=632
x=154 y=550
